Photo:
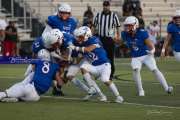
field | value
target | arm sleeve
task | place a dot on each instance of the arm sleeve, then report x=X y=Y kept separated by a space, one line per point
x=170 y=28
x=51 y=22
x=95 y=20
x=36 y=46
x=145 y=35
x=116 y=21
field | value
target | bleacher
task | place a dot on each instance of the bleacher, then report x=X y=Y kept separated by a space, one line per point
x=160 y=10
x=152 y=10
x=46 y=8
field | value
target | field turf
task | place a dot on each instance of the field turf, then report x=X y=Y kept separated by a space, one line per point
x=156 y=105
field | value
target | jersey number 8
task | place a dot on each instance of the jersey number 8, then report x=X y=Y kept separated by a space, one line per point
x=45 y=68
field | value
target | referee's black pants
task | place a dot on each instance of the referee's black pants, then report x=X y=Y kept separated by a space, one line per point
x=109 y=46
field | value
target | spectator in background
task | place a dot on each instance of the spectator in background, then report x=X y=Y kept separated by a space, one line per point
x=11 y=39
x=88 y=17
x=132 y=8
x=153 y=31
x=107 y=25
x=127 y=8
x=136 y=8
x=3 y=25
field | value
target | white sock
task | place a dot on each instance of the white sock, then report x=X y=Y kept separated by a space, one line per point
x=80 y=85
x=28 y=70
x=114 y=89
x=92 y=83
x=137 y=78
x=160 y=77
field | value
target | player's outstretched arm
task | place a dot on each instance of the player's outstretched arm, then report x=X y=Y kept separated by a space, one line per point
x=165 y=45
x=84 y=49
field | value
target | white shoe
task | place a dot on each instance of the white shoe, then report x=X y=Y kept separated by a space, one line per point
x=170 y=90
x=92 y=90
x=119 y=99
x=9 y=100
x=87 y=97
x=141 y=93
x=103 y=99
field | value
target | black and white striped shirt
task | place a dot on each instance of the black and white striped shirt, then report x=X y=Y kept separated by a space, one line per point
x=105 y=22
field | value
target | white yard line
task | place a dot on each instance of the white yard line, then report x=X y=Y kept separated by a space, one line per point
x=116 y=81
x=11 y=77
x=127 y=103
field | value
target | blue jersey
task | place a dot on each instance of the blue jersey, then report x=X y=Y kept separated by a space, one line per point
x=37 y=45
x=174 y=30
x=97 y=56
x=67 y=26
x=136 y=44
x=43 y=75
x=68 y=40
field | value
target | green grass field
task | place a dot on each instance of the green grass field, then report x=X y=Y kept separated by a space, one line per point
x=156 y=105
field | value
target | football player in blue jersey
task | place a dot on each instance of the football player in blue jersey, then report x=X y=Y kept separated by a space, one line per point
x=142 y=52
x=49 y=41
x=70 y=68
x=56 y=42
x=173 y=36
x=62 y=21
x=36 y=83
x=91 y=48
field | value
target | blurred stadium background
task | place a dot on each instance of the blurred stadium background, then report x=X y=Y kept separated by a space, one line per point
x=31 y=15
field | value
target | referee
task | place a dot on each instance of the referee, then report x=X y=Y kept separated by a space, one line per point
x=107 y=25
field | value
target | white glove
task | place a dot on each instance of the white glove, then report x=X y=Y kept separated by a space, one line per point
x=55 y=55
x=72 y=47
x=81 y=49
x=151 y=52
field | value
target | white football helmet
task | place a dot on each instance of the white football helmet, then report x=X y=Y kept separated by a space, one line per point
x=131 y=20
x=64 y=7
x=83 y=31
x=49 y=38
x=44 y=54
x=176 y=17
x=59 y=34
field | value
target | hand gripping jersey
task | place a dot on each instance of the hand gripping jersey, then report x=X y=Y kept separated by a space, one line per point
x=98 y=56
x=67 y=26
x=174 y=30
x=43 y=75
x=137 y=43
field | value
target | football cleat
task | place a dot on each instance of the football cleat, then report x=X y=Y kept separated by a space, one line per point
x=87 y=97
x=9 y=100
x=119 y=99
x=141 y=93
x=92 y=90
x=103 y=99
x=57 y=92
x=170 y=90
